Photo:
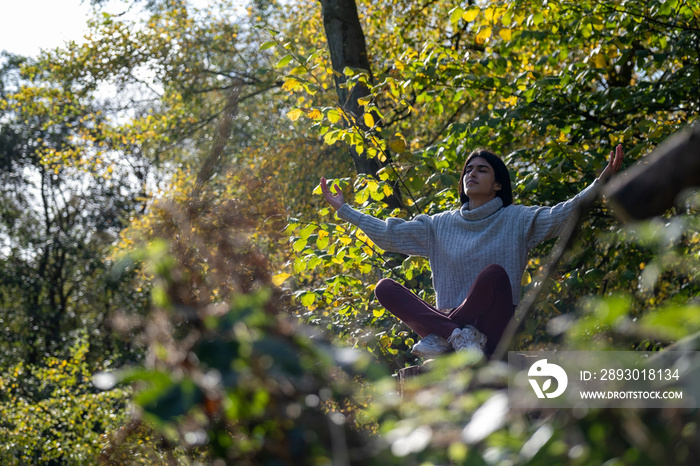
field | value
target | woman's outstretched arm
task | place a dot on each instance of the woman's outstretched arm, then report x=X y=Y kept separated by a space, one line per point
x=392 y=234
x=543 y=223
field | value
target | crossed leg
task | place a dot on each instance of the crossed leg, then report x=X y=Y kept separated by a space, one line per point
x=488 y=307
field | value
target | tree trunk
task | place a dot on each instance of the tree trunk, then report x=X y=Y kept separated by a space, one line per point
x=347 y=46
x=348 y=49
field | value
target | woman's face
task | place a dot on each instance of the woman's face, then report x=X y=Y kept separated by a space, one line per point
x=480 y=180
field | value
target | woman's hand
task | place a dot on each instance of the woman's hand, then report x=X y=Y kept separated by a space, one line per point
x=336 y=200
x=614 y=163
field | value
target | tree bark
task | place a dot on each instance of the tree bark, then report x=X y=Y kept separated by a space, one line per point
x=347 y=47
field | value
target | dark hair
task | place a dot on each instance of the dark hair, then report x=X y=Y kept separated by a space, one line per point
x=500 y=170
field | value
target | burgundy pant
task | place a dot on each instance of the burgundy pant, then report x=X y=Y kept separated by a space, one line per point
x=488 y=307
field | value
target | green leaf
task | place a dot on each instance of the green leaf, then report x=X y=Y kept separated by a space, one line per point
x=299 y=264
x=307 y=299
x=333 y=115
x=507 y=18
x=332 y=136
x=322 y=242
x=456 y=15
x=299 y=245
x=307 y=230
x=268 y=45
x=284 y=61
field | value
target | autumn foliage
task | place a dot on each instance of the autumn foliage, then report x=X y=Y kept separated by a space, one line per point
x=174 y=289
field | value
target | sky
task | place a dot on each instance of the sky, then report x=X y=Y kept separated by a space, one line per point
x=27 y=26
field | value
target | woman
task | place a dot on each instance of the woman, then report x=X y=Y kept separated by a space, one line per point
x=477 y=254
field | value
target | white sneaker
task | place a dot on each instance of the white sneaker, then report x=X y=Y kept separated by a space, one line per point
x=468 y=339
x=431 y=345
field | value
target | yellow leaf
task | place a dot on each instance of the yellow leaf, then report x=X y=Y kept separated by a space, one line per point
x=483 y=34
x=526 y=279
x=489 y=14
x=369 y=121
x=505 y=34
x=397 y=145
x=315 y=114
x=290 y=85
x=333 y=116
x=597 y=23
x=294 y=114
x=600 y=61
x=280 y=278
x=471 y=14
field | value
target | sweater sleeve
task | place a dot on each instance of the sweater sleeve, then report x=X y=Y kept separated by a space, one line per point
x=542 y=223
x=393 y=234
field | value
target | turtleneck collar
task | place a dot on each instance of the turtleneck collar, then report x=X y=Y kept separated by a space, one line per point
x=483 y=211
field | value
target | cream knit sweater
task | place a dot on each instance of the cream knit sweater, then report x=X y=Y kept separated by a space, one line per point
x=461 y=243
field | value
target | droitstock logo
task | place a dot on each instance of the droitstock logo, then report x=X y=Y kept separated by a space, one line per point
x=542 y=368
